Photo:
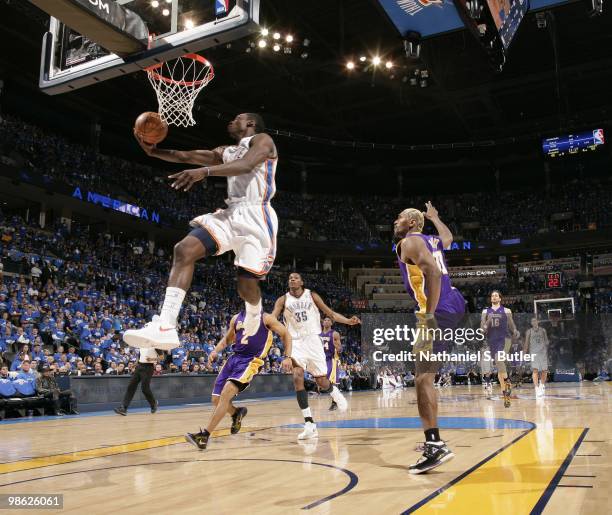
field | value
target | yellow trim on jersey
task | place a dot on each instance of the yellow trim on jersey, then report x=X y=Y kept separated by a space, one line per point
x=264 y=353
x=334 y=370
x=416 y=278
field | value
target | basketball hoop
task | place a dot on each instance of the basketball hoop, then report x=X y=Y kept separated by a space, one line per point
x=177 y=84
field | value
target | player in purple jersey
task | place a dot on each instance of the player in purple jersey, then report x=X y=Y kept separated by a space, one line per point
x=237 y=373
x=495 y=321
x=332 y=348
x=423 y=268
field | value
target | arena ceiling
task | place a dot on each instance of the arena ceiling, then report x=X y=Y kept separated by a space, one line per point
x=548 y=85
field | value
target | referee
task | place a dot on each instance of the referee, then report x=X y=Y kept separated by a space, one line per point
x=143 y=372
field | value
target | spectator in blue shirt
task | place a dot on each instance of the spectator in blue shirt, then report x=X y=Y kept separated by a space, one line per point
x=26 y=372
x=72 y=354
x=96 y=350
x=58 y=334
x=58 y=355
x=178 y=356
x=16 y=364
x=37 y=353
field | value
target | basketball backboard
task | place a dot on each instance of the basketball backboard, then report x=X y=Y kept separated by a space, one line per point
x=554 y=309
x=176 y=27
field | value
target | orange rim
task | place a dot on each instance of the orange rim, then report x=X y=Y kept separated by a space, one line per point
x=195 y=57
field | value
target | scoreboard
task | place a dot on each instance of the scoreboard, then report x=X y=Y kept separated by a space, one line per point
x=553 y=280
x=573 y=143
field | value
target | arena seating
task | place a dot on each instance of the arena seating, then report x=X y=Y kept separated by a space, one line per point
x=480 y=216
x=63 y=289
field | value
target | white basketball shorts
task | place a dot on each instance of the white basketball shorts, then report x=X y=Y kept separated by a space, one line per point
x=540 y=361
x=308 y=353
x=247 y=228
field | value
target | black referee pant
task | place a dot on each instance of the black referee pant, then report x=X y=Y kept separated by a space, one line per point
x=144 y=373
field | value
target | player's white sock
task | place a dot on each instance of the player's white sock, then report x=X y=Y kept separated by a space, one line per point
x=171 y=306
x=306 y=413
x=253 y=310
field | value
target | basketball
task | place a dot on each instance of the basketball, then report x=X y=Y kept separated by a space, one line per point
x=151 y=128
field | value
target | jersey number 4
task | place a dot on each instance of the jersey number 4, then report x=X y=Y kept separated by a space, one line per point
x=437 y=255
x=301 y=316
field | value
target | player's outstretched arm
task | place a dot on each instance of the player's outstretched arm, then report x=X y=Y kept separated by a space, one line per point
x=336 y=317
x=414 y=250
x=446 y=236
x=276 y=327
x=279 y=305
x=191 y=157
x=228 y=339
x=262 y=148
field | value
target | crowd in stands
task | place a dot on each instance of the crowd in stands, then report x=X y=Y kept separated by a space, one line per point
x=54 y=159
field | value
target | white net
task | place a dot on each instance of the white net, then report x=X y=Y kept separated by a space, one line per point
x=177 y=84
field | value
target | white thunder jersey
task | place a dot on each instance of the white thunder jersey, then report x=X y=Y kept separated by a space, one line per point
x=301 y=315
x=258 y=186
x=537 y=341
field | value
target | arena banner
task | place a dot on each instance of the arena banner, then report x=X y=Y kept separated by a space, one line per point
x=434 y=17
x=116 y=205
x=427 y=17
x=571 y=350
x=105 y=392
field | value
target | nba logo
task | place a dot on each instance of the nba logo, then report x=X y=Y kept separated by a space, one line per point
x=221 y=8
x=598 y=137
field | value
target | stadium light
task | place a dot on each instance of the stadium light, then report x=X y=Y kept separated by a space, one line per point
x=289 y=38
x=276 y=47
x=363 y=58
x=264 y=32
x=262 y=43
x=388 y=65
x=276 y=35
x=189 y=23
x=155 y=4
x=166 y=12
x=350 y=65
x=376 y=60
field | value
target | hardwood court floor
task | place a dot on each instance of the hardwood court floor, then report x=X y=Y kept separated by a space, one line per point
x=539 y=456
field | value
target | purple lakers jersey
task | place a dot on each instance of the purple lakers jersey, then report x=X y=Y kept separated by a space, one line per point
x=497 y=328
x=328 y=345
x=256 y=346
x=451 y=301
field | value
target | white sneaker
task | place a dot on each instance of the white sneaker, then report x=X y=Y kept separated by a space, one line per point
x=538 y=392
x=339 y=398
x=542 y=390
x=310 y=431
x=152 y=335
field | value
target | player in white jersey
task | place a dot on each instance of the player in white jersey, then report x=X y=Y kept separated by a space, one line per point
x=300 y=308
x=536 y=342
x=248 y=225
